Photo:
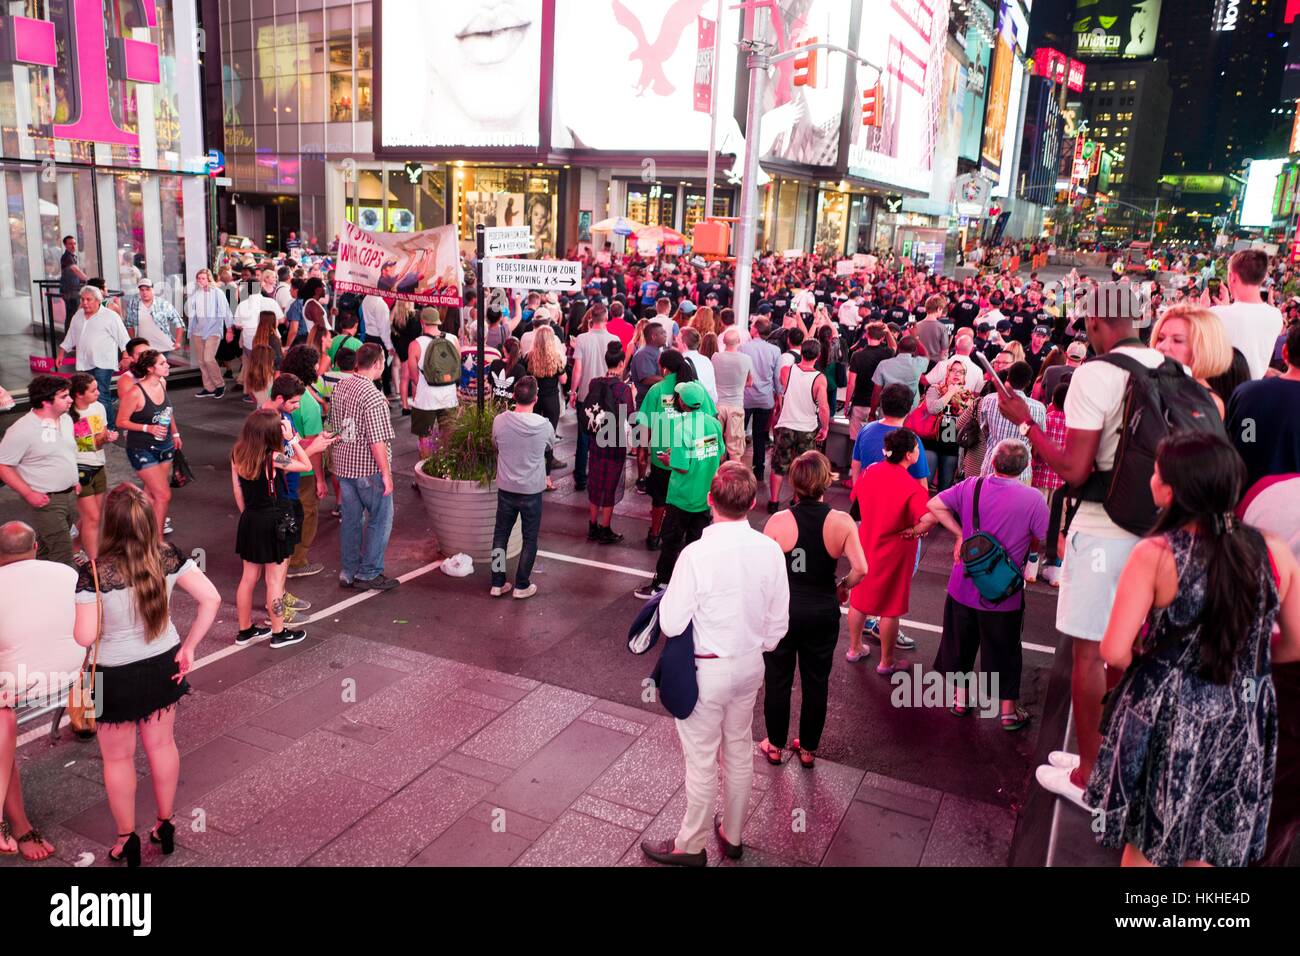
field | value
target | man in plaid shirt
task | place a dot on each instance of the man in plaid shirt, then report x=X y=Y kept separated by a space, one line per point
x=1048 y=481
x=998 y=428
x=362 y=461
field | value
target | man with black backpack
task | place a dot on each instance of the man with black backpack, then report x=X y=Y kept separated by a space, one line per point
x=1120 y=405
x=433 y=371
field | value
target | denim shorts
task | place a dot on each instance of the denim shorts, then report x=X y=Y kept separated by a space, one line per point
x=142 y=458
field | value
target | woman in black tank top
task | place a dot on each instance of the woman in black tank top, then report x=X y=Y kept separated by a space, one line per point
x=815 y=598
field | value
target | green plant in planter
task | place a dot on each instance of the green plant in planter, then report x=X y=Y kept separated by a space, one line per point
x=464 y=451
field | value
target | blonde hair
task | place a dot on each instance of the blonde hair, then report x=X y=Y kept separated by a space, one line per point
x=1016 y=349
x=545 y=357
x=1206 y=336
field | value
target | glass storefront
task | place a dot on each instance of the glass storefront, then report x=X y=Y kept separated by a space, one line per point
x=135 y=199
x=695 y=207
x=505 y=196
x=654 y=205
x=832 y=222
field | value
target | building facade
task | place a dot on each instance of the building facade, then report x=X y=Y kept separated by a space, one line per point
x=101 y=139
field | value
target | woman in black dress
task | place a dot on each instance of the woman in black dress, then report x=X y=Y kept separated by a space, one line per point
x=267 y=449
x=545 y=363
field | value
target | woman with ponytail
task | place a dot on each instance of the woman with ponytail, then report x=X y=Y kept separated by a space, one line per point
x=123 y=611
x=1186 y=771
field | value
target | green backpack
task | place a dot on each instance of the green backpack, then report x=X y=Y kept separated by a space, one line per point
x=441 y=361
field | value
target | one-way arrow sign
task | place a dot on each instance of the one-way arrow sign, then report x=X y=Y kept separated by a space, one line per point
x=507 y=240
x=532 y=274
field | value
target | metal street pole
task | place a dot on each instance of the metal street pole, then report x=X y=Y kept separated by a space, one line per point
x=758 y=64
x=481 y=323
x=713 y=115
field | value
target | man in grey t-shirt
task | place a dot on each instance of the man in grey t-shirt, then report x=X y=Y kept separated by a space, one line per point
x=38 y=460
x=522 y=439
x=733 y=370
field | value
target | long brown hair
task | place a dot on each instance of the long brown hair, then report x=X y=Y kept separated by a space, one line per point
x=265 y=328
x=261 y=368
x=259 y=439
x=129 y=537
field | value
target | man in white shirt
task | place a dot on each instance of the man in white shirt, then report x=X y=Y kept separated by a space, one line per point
x=731 y=587
x=432 y=406
x=38 y=460
x=249 y=312
x=1251 y=323
x=98 y=339
x=690 y=346
x=1097 y=548
x=379 y=329
x=283 y=290
x=848 y=313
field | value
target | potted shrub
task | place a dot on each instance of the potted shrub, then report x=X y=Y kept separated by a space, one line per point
x=458 y=487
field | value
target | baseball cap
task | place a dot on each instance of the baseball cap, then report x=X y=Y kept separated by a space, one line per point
x=1042 y=330
x=430 y=316
x=687 y=308
x=1077 y=350
x=145 y=284
x=764 y=308
x=1004 y=325
x=692 y=394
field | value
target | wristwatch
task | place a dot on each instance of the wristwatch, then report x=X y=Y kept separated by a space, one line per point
x=1024 y=429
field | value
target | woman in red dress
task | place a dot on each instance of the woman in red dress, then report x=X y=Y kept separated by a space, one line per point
x=890 y=501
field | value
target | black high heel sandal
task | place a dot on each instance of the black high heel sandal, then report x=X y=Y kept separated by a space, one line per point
x=164 y=834
x=130 y=850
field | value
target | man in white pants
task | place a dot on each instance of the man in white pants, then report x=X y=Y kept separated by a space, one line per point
x=731 y=586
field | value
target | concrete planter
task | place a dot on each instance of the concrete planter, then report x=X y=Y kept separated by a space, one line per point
x=463 y=514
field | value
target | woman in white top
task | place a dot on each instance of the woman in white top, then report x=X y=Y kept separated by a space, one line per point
x=141 y=660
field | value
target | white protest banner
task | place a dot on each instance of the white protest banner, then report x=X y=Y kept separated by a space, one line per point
x=844 y=267
x=532 y=274
x=420 y=267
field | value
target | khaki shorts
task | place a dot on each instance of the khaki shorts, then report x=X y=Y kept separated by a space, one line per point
x=98 y=483
x=424 y=422
x=857 y=418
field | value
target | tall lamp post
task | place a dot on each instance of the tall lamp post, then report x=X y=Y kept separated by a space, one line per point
x=761 y=59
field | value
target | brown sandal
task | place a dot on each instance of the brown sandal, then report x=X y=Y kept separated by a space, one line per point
x=773 y=754
x=34 y=836
x=7 y=833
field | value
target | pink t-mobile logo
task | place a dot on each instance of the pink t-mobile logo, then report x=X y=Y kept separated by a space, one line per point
x=93 y=60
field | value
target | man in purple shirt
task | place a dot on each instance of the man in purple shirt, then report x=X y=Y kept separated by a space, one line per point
x=1016 y=515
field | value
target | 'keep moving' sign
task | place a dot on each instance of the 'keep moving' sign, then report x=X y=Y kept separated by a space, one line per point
x=532 y=274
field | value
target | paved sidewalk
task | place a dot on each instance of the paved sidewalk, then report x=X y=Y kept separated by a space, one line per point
x=352 y=752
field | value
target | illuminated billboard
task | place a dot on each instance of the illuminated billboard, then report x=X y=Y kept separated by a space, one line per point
x=909 y=40
x=1115 y=28
x=979 y=53
x=1261 y=184
x=999 y=112
x=468 y=77
x=801 y=124
x=634 y=91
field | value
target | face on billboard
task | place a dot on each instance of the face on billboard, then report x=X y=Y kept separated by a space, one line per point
x=995 y=115
x=909 y=40
x=469 y=76
x=634 y=90
x=1112 y=28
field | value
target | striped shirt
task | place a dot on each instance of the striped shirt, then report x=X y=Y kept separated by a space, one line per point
x=998 y=429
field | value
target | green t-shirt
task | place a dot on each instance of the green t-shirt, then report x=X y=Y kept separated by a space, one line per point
x=700 y=453
x=343 y=342
x=658 y=413
x=307 y=420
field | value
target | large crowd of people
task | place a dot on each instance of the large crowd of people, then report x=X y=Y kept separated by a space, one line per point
x=1134 y=446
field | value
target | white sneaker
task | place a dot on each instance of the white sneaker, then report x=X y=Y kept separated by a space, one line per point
x=1051 y=575
x=525 y=592
x=167 y=526
x=1062 y=758
x=1057 y=780
x=504 y=589
x=1031 y=571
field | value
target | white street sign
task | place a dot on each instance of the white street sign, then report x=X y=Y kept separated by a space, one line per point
x=507 y=241
x=532 y=274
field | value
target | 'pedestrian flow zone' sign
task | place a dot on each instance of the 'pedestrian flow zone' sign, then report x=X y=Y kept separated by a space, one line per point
x=532 y=274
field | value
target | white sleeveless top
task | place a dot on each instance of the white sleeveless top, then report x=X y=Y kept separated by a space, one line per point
x=798 y=407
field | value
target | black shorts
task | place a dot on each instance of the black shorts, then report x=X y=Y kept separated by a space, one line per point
x=656 y=485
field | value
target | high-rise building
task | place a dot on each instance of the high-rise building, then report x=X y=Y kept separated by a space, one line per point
x=1225 y=70
x=1127 y=104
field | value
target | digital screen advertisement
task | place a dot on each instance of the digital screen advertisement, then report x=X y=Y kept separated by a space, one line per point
x=801 y=124
x=470 y=76
x=635 y=90
x=979 y=53
x=999 y=100
x=1261 y=183
x=909 y=39
x=1115 y=28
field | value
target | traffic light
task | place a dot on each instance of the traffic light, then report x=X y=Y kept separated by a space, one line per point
x=871 y=106
x=805 y=67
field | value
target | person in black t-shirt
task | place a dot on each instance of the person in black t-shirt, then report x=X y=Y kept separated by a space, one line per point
x=862 y=366
x=965 y=312
x=1039 y=347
